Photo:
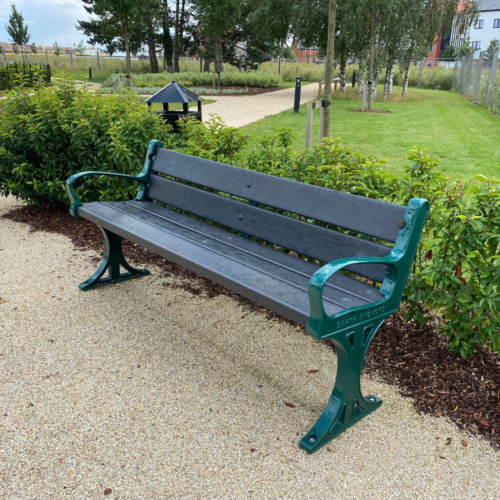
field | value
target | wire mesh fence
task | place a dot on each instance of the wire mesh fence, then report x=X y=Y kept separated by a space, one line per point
x=479 y=78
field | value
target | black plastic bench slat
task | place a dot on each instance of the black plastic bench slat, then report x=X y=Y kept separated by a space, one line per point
x=342 y=289
x=341 y=282
x=363 y=215
x=302 y=237
x=270 y=285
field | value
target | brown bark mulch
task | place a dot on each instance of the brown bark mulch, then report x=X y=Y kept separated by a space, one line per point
x=464 y=391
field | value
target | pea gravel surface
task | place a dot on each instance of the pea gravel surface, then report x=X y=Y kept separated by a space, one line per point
x=140 y=390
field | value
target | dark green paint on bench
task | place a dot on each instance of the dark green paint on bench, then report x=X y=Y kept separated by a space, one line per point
x=330 y=304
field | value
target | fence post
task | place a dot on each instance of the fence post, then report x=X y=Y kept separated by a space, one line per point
x=478 y=77
x=71 y=58
x=309 y=125
x=321 y=113
x=46 y=56
x=420 y=72
x=201 y=64
x=455 y=73
x=491 y=81
x=98 y=64
x=469 y=71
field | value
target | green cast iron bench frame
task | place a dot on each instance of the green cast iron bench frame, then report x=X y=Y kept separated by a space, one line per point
x=180 y=214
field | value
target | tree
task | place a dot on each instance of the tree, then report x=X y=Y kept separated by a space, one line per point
x=16 y=29
x=490 y=51
x=57 y=49
x=168 y=46
x=80 y=48
x=215 y=19
x=117 y=24
x=34 y=49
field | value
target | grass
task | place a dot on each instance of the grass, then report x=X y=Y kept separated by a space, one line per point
x=462 y=135
x=97 y=76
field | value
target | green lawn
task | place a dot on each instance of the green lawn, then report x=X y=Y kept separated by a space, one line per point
x=463 y=136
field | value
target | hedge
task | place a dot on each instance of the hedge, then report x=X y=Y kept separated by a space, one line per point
x=193 y=79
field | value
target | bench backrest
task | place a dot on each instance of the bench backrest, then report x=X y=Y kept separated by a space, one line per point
x=263 y=194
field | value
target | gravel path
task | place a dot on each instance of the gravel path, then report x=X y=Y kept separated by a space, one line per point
x=142 y=390
x=241 y=110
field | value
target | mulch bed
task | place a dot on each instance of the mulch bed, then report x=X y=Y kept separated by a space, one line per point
x=380 y=111
x=250 y=90
x=464 y=391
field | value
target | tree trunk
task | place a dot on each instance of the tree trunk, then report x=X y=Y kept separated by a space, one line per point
x=361 y=76
x=181 y=30
x=374 y=87
x=405 y=83
x=206 y=65
x=391 y=80
x=387 y=82
x=342 y=74
x=332 y=21
x=168 y=45
x=153 y=60
x=176 y=38
x=127 y=51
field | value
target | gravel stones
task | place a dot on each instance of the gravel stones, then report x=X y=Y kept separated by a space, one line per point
x=138 y=390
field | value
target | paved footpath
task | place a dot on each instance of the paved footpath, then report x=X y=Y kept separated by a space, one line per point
x=241 y=110
x=145 y=391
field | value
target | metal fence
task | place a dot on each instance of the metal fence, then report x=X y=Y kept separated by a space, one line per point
x=11 y=73
x=479 y=78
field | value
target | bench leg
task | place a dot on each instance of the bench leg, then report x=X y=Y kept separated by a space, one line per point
x=112 y=261
x=346 y=405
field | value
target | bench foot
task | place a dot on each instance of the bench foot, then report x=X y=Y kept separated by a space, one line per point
x=346 y=405
x=112 y=261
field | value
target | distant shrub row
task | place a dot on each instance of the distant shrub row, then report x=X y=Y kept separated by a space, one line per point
x=192 y=79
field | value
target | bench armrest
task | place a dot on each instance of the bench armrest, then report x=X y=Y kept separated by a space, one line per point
x=141 y=179
x=320 y=277
x=398 y=262
x=75 y=202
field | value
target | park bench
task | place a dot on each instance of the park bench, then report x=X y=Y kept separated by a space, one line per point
x=266 y=238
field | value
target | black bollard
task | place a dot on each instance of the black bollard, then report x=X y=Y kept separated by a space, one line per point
x=90 y=73
x=354 y=79
x=296 y=104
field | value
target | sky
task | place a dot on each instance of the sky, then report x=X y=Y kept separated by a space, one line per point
x=48 y=21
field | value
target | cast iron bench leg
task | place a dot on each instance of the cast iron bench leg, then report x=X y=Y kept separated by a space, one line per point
x=346 y=405
x=113 y=259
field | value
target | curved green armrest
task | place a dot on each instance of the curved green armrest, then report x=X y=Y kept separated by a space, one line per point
x=141 y=179
x=398 y=262
x=319 y=279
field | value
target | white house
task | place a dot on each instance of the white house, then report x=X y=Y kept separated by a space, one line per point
x=484 y=30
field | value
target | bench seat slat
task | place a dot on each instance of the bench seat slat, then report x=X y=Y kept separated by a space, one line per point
x=263 y=253
x=363 y=215
x=302 y=237
x=274 y=282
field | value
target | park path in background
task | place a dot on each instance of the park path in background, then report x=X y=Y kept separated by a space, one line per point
x=240 y=110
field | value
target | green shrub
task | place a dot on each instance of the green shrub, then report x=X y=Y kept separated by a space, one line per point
x=457 y=271
x=48 y=135
x=193 y=79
